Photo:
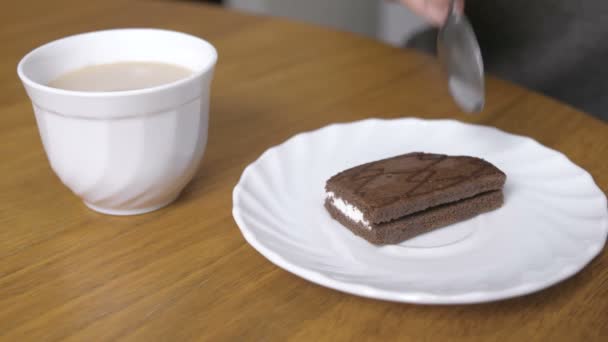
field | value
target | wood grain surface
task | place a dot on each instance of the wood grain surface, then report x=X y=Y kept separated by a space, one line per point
x=185 y=272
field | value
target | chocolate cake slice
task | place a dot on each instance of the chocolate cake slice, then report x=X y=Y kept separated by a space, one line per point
x=394 y=199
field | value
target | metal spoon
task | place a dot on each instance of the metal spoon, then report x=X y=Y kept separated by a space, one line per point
x=460 y=57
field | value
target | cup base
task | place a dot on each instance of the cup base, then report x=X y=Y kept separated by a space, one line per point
x=129 y=212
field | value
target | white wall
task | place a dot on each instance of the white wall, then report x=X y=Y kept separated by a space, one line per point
x=386 y=21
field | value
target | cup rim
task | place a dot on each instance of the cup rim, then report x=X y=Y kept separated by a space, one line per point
x=121 y=93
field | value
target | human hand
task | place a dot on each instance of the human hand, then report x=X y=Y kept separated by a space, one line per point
x=435 y=11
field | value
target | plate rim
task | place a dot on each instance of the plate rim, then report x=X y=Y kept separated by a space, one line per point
x=404 y=296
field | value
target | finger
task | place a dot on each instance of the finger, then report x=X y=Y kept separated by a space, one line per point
x=435 y=11
x=438 y=10
x=418 y=7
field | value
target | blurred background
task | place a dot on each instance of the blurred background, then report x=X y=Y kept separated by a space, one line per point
x=381 y=19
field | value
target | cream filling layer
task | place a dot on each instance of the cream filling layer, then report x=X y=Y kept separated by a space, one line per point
x=348 y=210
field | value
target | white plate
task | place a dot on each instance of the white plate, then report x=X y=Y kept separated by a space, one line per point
x=554 y=220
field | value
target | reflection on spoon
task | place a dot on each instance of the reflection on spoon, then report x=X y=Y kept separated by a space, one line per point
x=466 y=94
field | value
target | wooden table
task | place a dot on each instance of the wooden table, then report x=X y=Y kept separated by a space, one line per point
x=185 y=272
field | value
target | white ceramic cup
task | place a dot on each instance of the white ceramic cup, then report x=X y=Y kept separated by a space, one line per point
x=124 y=152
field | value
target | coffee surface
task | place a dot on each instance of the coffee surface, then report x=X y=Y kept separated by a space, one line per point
x=120 y=76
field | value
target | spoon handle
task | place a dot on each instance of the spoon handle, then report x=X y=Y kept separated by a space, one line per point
x=453 y=13
x=452 y=8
